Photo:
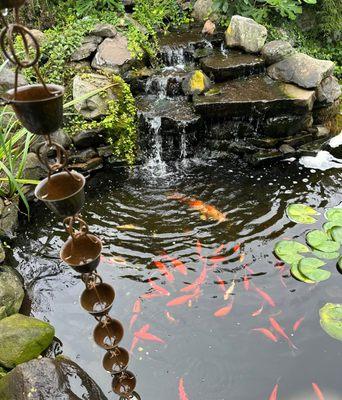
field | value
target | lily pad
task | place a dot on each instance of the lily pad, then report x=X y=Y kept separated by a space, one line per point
x=288 y=251
x=301 y=213
x=328 y=226
x=310 y=268
x=326 y=256
x=298 y=275
x=336 y=234
x=331 y=320
x=334 y=214
x=315 y=238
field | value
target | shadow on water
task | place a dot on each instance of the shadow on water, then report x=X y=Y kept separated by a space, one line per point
x=156 y=249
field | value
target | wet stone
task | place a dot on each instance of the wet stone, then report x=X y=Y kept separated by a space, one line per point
x=7 y=79
x=265 y=142
x=8 y=218
x=286 y=149
x=324 y=115
x=265 y=157
x=88 y=138
x=89 y=165
x=11 y=291
x=222 y=67
x=60 y=137
x=322 y=131
x=83 y=156
x=312 y=148
x=87 y=48
x=196 y=82
x=276 y=51
x=334 y=146
x=285 y=125
x=328 y=91
x=34 y=169
x=298 y=140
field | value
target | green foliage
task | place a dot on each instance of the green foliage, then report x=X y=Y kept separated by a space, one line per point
x=331 y=320
x=86 y=7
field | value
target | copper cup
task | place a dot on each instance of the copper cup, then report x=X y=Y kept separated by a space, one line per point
x=11 y=3
x=82 y=253
x=124 y=384
x=63 y=193
x=39 y=110
x=115 y=361
x=98 y=299
x=108 y=333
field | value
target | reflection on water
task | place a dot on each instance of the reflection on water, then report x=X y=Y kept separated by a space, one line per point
x=200 y=299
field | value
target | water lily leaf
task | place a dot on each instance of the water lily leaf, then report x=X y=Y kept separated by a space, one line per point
x=310 y=268
x=326 y=256
x=331 y=320
x=336 y=234
x=334 y=214
x=316 y=238
x=298 y=275
x=329 y=247
x=328 y=226
x=301 y=213
x=288 y=251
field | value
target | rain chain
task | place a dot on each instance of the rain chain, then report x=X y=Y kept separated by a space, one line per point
x=39 y=108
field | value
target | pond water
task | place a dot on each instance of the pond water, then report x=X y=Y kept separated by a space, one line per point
x=218 y=357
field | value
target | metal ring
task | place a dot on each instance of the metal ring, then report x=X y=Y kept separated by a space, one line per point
x=69 y=226
x=62 y=156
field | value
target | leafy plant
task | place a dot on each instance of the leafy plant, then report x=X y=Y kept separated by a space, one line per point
x=85 y=7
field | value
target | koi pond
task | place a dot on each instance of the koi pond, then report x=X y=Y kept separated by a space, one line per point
x=209 y=311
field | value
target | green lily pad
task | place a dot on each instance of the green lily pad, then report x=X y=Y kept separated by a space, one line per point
x=336 y=234
x=315 y=238
x=326 y=256
x=331 y=320
x=298 y=275
x=301 y=213
x=328 y=226
x=334 y=214
x=310 y=268
x=288 y=251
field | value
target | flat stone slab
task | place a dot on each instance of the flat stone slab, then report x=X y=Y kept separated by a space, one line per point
x=254 y=96
x=234 y=64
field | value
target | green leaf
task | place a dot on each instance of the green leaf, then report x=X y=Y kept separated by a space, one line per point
x=331 y=320
x=310 y=268
x=315 y=238
x=336 y=234
x=298 y=275
x=328 y=226
x=326 y=256
x=301 y=213
x=334 y=214
x=288 y=251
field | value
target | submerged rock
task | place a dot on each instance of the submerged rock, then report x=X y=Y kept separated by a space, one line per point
x=196 y=82
x=22 y=339
x=47 y=379
x=245 y=33
x=11 y=292
x=87 y=48
x=8 y=217
x=277 y=51
x=301 y=69
x=328 y=91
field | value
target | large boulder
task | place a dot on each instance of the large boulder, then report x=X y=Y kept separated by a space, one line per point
x=277 y=51
x=113 y=54
x=7 y=79
x=301 y=69
x=104 y=30
x=38 y=35
x=88 y=47
x=11 y=292
x=328 y=91
x=196 y=82
x=47 y=379
x=202 y=9
x=96 y=106
x=246 y=34
x=22 y=339
x=8 y=217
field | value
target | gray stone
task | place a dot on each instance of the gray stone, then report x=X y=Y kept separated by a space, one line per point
x=88 y=138
x=322 y=131
x=89 y=165
x=202 y=9
x=22 y=339
x=298 y=140
x=245 y=33
x=88 y=47
x=277 y=51
x=209 y=27
x=312 y=148
x=196 y=82
x=83 y=156
x=34 y=169
x=2 y=253
x=286 y=149
x=324 y=115
x=47 y=379
x=7 y=78
x=328 y=91
x=11 y=292
x=104 y=30
x=285 y=125
x=8 y=217
x=301 y=69
x=60 y=137
x=95 y=106
x=113 y=54
x=105 y=151
x=264 y=157
x=38 y=35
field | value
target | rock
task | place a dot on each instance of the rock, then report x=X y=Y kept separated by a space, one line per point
x=34 y=169
x=202 y=9
x=196 y=82
x=312 y=148
x=104 y=30
x=22 y=339
x=2 y=253
x=38 y=35
x=113 y=54
x=334 y=146
x=105 y=151
x=11 y=292
x=48 y=379
x=95 y=106
x=276 y=51
x=222 y=67
x=60 y=137
x=301 y=69
x=209 y=28
x=299 y=140
x=8 y=217
x=89 y=165
x=88 y=138
x=264 y=157
x=286 y=149
x=264 y=142
x=324 y=115
x=285 y=125
x=83 y=156
x=130 y=20
x=328 y=91
x=245 y=33
x=322 y=131
x=7 y=77
x=88 y=47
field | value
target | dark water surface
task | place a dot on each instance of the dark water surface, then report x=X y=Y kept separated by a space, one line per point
x=219 y=358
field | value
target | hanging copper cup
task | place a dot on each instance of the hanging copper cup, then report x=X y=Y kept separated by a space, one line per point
x=108 y=333
x=11 y=3
x=124 y=384
x=38 y=107
x=63 y=192
x=98 y=299
x=115 y=361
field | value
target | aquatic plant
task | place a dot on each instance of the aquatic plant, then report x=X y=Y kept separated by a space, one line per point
x=325 y=244
x=331 y=320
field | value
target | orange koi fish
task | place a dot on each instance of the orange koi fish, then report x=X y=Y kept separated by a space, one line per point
x=133 y=320
x=158 y=288
x=222 y=312
x=164 y=270
x=317 y=391
x=297 y=324
x=236 y=248
x=181 y=390
x=137 y=306
x=281 y=331
x=219 y=281
x=180 y=300
x=179 y=266
x=246 y=282
x=219 y=249
x=242 y=257
x=265 y=296
x=274 y=394
x=207 y=211
x=143 y=334
x=259 y=311
x=135 y=341
x=267 y=333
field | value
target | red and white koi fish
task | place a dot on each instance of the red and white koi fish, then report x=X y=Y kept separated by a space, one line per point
x=317 y=391
x=274 y=394
x=181 y=390
x=137 y=306
x=221 y=283
x=267 y=333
